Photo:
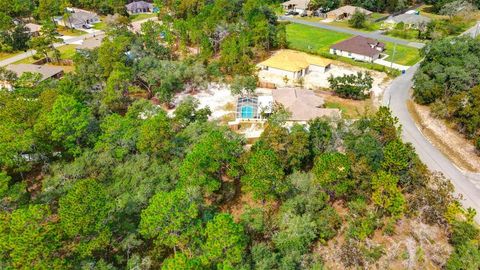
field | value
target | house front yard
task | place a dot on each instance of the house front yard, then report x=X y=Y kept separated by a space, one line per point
x=312 y=39
x=318 y=41
x=69 y=32
x=66 y=52
x=143 y=16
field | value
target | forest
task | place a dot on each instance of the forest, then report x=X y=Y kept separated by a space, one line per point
x=95 y=174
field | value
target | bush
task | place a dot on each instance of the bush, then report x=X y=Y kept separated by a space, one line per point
x=463 y=232
x=352 y=86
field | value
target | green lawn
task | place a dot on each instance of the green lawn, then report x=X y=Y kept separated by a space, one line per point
x=69 y=32
x=318 y=41
x=139 y=17
x=312 y=39
x=404 y=55
x=66 y=52
x=4 y=55
x=100 y=25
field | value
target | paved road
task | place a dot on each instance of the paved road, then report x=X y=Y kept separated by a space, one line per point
x=374 y=35
x=474 y=31
x=396 y=96
x=29 y=53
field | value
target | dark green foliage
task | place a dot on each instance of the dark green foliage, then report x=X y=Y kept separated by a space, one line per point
x=465 y=256
x=448 y=80
x=463 y=232
x=332 y=172
x=352 y=86
x=264 y=176
x=358 y=19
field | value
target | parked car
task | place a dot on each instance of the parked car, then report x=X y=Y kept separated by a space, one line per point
x=86 y=26
x=303 y=14
x=291 y=12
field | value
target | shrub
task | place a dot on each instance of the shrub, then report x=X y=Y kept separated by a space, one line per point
x=352 y=86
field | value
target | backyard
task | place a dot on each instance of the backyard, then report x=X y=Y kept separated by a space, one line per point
x=66 y=52
x=318 y=41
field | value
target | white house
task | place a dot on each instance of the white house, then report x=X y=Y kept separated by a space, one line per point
x=78 y=18
x=359 y=48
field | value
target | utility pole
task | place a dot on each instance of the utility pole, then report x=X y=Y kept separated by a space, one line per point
x=393 y=56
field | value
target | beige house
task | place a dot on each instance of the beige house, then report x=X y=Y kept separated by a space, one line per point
x=299 y=6
x=46 y=72
x=346 y=12
x=91 y=43
x=33 y=29
x=293 y=64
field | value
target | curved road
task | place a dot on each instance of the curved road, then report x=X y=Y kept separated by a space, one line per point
x=466 y=184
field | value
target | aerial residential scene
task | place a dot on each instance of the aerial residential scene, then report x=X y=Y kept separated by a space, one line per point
x=239 y=134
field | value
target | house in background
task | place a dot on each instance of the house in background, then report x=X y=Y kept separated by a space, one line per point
x=346 y=12
x=299 y=6
x=78 y=19
x=33 y=29
x=294 y=65
x=138 y=7
x=359 y=48
x=46 y=71
x=411 y=21
x=90 y=43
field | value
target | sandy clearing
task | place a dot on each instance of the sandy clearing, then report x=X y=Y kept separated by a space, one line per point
x=217 y=97
x=459 y=149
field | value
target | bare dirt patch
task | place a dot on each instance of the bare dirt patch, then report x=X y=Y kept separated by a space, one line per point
x=456 y=147
x=414 y=245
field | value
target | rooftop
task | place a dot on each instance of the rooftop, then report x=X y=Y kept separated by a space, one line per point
x=45 y=70
x=409 y=19
x=32 y=27
x=359 y=45
x=294 y=61
x=91 y=43
x=301 y=4
x=303 y=104
x=348 y=10
x=139 y=5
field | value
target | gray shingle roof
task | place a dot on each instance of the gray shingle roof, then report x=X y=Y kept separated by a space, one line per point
x=410 y=19
x=45 y=70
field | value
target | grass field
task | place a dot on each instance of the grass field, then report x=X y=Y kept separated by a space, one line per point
x=139 y=17
x=4 y=55
x=318 y=41
x=69 y=32
x=66 y=52
x=312 y=39
x=404 y=55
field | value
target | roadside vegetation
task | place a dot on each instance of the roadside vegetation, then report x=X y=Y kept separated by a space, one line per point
x=97 y=171
x=448 y=81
